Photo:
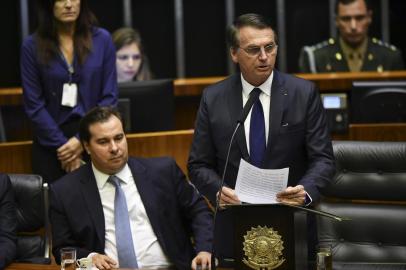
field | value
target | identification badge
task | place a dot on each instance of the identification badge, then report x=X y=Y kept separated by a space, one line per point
x=70 y=95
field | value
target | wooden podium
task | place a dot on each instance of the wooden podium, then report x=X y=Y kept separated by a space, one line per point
x=270 y=236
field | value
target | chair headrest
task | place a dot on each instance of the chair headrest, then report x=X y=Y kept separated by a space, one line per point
x=369 y=171
x=29 y=201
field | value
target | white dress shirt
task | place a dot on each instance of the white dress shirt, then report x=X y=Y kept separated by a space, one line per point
x=264 y=97
x=149 y=252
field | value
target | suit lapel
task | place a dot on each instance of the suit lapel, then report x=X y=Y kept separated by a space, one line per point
x=148 y=195
x=279 y=98
x=235 y=108
x=91 y=195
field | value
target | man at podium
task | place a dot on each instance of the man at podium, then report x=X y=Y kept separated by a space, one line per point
x=286 y=127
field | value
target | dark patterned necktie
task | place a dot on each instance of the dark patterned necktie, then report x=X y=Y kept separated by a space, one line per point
x=257 y=133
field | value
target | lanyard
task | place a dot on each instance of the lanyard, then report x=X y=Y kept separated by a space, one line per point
x=71 y=70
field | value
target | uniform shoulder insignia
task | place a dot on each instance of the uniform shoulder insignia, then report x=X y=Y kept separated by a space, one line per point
x=384 y=44
x=323 y=44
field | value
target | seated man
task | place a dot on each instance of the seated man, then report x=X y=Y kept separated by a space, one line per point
x=128 y=212
x=353 y=50
x=8 y=222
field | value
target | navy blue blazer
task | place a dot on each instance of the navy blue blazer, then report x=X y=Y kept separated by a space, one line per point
x=174 y=207
x=298 y=138
x=298 y=135
x=42 y=86
x=8 y=222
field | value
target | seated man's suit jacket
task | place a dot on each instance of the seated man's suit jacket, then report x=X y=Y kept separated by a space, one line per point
x=298 y=138
x=8 y=222
x=174 y=207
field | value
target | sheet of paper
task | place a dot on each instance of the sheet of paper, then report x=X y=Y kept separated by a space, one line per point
x=255 y=185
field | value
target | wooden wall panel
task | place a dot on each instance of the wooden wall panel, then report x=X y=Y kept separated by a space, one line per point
x=16 y=157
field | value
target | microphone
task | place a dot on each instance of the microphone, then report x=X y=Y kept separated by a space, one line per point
x=254 y=95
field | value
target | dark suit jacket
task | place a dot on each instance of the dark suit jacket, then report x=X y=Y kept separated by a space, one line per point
x=173 y=206
x=8 y=222
x=298 y=138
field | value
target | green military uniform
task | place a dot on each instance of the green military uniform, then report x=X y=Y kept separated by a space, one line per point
x=329 y=56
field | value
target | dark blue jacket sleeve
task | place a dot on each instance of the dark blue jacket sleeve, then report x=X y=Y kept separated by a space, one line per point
x=46 y=128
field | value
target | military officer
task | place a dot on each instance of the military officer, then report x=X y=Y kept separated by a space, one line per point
x=353 y=50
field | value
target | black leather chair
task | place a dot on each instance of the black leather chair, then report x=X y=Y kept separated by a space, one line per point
x=370 y=189
x=33 y=231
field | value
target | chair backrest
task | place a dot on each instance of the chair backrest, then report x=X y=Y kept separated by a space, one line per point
x=33 y=231
x=369 y=188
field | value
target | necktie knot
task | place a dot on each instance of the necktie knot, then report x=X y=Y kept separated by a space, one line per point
x=114 y=180
x=256 y=91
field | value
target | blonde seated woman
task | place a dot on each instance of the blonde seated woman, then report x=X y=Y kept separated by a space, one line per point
x=131 y=61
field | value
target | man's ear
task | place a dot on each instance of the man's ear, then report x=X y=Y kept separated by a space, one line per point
x=233 y=53
x=86 y=146
x=369 y=14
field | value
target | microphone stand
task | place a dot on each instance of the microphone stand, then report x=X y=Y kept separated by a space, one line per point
x=219 y=193
x=250 y=102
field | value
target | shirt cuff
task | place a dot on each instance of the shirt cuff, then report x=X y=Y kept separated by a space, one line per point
x=308 y=200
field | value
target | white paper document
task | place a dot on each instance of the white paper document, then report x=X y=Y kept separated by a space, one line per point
x=255 y=185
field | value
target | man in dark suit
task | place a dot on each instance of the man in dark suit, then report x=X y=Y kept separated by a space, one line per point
x=353 y=50
x=295 y=127
x=8 y=222
x=162 y=208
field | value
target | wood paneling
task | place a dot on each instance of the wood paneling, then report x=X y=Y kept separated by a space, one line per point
x=16 y=157
x=341 y=81
x=378 y=132
x=175 y=144
x=188 y=91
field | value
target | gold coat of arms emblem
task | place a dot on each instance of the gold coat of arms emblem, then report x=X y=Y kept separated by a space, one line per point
x=263 y=248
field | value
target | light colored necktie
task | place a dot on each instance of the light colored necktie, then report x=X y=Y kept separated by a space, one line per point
x=124 y=240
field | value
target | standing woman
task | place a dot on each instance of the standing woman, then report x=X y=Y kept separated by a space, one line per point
x=132 y=63
x=67 y=68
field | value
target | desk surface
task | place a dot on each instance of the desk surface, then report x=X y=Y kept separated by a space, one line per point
x=336 y=266
x=26 y=266
x=327 y=82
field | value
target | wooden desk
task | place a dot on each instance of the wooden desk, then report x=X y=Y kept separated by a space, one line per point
x=327 y=82
x=188 y=92
x=30 y=266
x=15 y=157
x=26 y=266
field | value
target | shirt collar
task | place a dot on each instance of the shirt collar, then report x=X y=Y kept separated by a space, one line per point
x=357 y=52
x=101 y=178
x=265 y=87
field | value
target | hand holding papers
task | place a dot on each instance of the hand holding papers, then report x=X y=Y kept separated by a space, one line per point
x=259 y=186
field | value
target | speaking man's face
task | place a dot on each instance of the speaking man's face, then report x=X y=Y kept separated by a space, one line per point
x=256 y=54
